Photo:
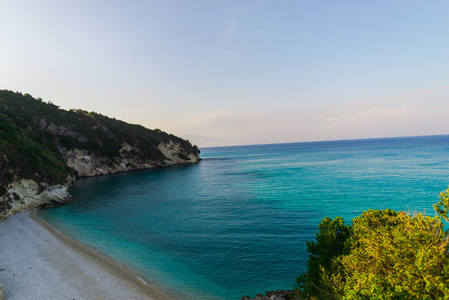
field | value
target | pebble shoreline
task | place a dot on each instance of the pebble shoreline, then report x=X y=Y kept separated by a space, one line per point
x=37 y=262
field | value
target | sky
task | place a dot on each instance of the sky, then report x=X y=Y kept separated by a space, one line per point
x=237 y=72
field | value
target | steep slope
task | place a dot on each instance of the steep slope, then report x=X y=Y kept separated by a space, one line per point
x=43 y=147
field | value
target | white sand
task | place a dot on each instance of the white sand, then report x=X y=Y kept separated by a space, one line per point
x=36 y=262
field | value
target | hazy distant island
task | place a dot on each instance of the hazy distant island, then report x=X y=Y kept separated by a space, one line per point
x=43 y=148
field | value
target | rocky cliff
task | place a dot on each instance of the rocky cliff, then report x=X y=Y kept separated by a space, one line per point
x=87 y=164
x=43 y=148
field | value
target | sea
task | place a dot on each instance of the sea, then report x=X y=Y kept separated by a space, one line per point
x=237 y=223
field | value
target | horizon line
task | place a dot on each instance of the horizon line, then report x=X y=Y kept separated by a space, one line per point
x=336 y=140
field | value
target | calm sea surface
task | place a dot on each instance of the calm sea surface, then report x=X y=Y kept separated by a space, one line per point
x=237 y=223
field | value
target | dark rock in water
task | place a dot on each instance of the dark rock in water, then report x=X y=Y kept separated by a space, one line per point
x=275 y=295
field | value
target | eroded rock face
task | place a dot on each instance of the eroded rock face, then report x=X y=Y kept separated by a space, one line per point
x=27 y=194
x=87 y=164
x=175 y=154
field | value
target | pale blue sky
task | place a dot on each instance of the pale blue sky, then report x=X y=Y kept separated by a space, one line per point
x=237 y=72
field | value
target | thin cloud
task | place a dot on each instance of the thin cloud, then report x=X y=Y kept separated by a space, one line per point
x=230 y=26
x=374 y=114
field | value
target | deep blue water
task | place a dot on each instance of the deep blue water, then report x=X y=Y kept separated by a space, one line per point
x=237 y=223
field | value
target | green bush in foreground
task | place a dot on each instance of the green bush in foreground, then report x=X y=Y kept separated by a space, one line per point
x=384 y=255
x=442 y=207
x=330 y=244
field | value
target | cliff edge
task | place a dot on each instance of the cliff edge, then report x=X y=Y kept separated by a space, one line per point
x=43 y=148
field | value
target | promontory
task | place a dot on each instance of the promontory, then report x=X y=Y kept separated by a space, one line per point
x=43 y=148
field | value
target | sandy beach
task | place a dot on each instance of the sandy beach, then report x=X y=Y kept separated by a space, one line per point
x=37 y=262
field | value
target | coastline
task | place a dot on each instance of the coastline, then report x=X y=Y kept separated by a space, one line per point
x=51 y=265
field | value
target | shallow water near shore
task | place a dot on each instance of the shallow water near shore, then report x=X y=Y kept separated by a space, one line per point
x=237 y=223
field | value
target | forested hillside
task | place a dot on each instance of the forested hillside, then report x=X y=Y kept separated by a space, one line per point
x=37 y=138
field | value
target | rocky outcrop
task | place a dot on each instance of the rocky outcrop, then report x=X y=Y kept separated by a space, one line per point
x=176 y=154
x=275 y=295
x=88 y=164
x=28 y=194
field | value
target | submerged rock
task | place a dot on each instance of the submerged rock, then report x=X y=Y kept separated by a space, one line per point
x=275 y=295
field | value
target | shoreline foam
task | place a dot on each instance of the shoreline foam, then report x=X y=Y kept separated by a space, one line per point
x=38 y=262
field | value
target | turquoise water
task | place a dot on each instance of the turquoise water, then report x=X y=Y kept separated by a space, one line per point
x=237 y=223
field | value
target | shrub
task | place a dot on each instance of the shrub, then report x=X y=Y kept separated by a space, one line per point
x=394 y=256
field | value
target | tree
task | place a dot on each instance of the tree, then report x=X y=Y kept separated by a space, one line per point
x=330 y=244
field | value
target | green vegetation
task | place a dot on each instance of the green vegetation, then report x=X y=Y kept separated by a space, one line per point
x=384 y=255
x=442 y=207
x=323 y=259
x=32 y=133
x=26 y=155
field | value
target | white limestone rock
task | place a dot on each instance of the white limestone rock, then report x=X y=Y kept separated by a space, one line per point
x=28 y=194
x=87 y=164
x=175 y=154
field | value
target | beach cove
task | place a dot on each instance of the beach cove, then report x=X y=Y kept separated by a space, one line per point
x=38 y=262
x=321 y=125
x=235 y=224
